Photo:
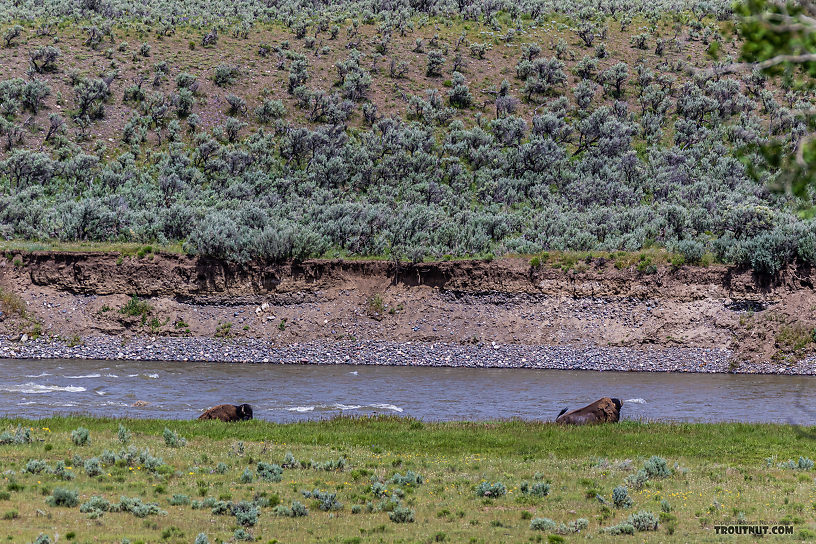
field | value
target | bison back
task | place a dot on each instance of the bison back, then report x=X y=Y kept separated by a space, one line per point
x=224 y=412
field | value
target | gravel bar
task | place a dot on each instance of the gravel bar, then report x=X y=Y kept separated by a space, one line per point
x=484 y=355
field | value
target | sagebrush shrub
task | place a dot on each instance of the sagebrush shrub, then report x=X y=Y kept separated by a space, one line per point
x=488 y=489
x=172 y=439
x=401 y=514
x=643 y=521
x=81 y=436
x=63 y=497
x=621 y=498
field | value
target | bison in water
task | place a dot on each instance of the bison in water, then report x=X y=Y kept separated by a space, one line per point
x=228 y=412
x=605 y=410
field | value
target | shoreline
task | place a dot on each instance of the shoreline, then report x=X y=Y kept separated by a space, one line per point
x=390 y=353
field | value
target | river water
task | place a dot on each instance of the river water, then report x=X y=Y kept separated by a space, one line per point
x=284 y=393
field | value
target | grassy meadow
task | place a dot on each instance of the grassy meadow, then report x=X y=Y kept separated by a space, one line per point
x=82 y=479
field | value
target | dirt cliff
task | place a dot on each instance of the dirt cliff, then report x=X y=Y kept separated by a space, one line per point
x=594 y=301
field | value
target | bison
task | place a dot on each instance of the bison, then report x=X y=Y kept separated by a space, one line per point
x=228 y=412
x=605 y=410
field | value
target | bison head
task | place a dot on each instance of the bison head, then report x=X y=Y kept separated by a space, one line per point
x=245 y=412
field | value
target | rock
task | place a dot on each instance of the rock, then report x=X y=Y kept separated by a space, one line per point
x=140 y=404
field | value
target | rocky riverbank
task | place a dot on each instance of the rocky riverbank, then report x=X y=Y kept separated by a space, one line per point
x=594 y=313
x=479 y=355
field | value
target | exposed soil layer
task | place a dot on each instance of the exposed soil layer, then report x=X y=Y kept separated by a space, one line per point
x=74 y=295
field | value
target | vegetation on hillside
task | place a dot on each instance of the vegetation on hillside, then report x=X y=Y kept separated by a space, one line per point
x=81 y=479
x=409 y=130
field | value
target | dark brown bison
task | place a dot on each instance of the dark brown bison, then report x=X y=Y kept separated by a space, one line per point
x=228 y=412
x=605 y=410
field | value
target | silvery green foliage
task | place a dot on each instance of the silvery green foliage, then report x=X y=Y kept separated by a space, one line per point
x=246 y=513
x=656 y=467
x=63 y=497
x=326 y=501
x=804 y=463
x=80 y=436
x=35 y=466
x=138 y=508
x=123 y=434
x=243 y=535
x=621 y=498
x=643 y=521
x=96 y=506
x=172 y=439
x=19 y=436
x=542 y=524
x=246 y=476
x=401 y=514
x=93 y=467
x=637 y=480
x=62 y=472
x=43 y=539
x=295 y=510
x=491 y=489
x=592 y=175
x=409 y=479
x=538 y=489
x=269 y=472
x=202 y=538
x=623 y=528
x=179 y=500
x=289 y=461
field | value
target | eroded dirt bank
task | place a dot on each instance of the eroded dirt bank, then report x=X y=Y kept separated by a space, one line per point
x=506 y=301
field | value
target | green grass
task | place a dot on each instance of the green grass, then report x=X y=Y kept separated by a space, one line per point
x=719 y=474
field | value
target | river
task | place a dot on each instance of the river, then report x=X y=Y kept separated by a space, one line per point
x=285 y=393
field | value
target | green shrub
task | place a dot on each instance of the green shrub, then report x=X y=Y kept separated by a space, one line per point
x=242 y=534
x=138 y=508
x=539 y=489
x=656 y=467
x=643 y=521
x=493 y=490
x=96 y=506
x=137 y=308
x=401 y=514
x=35 y=466
x=179 y=500
x=410 y=479
x=622 y=528
x=246 y=513
x=123 y=434
x=269 y=472
x=19 y=436
x=542 y=524
x=172 y=439
x=225 y=74
x=63 y=497
x=621 y=498
x=93 y=467
x=325 y=501
x=61 y=472
x=246 y=476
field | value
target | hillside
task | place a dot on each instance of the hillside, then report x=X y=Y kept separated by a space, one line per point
x=421 y=130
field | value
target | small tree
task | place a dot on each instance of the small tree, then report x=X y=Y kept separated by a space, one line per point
x=11 y=34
